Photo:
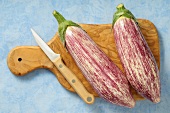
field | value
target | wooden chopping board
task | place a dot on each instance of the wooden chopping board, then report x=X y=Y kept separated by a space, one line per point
x=24 y=59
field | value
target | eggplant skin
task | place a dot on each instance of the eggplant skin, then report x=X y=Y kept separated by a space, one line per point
x=103 y=75
x=137 y=59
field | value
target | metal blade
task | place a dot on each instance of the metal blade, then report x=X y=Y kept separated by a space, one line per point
x=47 y=50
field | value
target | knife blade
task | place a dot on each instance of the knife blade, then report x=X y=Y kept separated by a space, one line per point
x=65 y=71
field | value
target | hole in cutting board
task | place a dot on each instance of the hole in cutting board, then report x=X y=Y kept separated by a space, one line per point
x=19 y=59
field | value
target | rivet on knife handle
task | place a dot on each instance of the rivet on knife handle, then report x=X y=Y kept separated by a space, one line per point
x=74 y=81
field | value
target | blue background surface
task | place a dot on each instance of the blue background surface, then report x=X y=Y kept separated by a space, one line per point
x=39 y=91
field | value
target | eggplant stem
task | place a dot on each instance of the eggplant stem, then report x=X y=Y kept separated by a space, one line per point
x=122 y=12
x=59 y=17
x=120 y=7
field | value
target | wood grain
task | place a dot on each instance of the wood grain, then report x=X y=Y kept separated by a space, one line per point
x=23 y=59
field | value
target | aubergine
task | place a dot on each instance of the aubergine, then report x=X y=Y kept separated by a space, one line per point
x=99 y=70
x=136 y=57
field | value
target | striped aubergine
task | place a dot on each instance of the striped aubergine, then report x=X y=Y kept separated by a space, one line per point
x=137 y=59
x=103 y=75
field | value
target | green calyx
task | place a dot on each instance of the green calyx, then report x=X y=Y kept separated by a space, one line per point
x=63 y=24
x=122 y=12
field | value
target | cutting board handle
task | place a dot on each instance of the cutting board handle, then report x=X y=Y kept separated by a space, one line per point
x=23 y=59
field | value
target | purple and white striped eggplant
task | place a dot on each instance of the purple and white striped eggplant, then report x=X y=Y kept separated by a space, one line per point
x=137 y=59
x=104 y=76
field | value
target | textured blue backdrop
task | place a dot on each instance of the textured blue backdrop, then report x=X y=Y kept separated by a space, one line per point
x=39 y=91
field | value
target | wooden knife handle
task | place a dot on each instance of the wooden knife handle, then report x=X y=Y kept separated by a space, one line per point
x=74 y=81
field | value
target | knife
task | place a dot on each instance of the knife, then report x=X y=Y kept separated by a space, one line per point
x=65 y=71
